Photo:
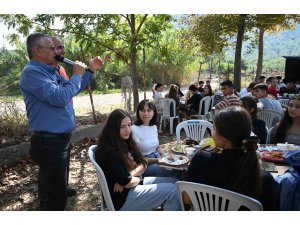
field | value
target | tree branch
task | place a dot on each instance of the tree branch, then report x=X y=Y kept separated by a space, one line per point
x=143 y=20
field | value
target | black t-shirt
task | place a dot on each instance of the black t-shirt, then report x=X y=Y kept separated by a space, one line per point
x=216 y=169
x=195 y=101
x=284 y=90
x=259 y=129
x=115 y=172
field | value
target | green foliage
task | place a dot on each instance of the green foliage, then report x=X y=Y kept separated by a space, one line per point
x=12 y=63
x=168 y=62
x=173 y=51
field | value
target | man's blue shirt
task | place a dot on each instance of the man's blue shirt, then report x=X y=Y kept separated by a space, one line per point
x=271 y=104
x=47 y=97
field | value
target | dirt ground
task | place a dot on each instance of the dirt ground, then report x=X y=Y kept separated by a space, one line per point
x=18 y=183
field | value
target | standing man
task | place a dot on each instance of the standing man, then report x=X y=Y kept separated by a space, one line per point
x=60 y=50
x=51 y=117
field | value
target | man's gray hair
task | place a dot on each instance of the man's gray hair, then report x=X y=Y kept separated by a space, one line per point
x=34 y=40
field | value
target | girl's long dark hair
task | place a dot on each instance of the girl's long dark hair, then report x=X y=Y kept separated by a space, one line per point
x=210 y=92
x=250 y=103
x=173 y=92
x=284 y=124
x=140 y=107
x=110 y=139
x=234 y=124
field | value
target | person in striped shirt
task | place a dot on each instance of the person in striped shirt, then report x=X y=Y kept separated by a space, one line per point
x=230 y=99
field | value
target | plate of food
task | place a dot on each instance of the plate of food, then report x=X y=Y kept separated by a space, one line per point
x=191 y=142
x=175 y=159
x=273 y=156
x=179 y=148
x=207 y=142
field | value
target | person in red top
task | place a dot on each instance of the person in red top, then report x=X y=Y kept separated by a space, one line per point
x=60 y=49
x=272 y=88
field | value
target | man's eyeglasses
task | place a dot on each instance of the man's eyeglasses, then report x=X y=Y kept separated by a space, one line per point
x=50 y=47
x=60 y=47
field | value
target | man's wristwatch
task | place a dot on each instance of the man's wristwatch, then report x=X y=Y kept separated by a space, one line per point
x=141 y=179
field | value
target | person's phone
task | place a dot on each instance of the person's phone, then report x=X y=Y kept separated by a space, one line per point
x=269 y=166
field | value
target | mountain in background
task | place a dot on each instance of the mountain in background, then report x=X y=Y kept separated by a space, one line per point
x=276 y=45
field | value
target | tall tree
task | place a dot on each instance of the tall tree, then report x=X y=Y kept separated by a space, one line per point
x=238 y=51
x=215 y=32
x=120 y=34
x=271 y=23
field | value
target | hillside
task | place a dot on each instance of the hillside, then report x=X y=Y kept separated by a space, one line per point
x=276 y=45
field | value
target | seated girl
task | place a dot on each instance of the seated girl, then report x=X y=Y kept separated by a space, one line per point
x=288 y=129
x=234 y=165
x=123 y=165
x=145 y=134
x=173 y=93
x=258 y=125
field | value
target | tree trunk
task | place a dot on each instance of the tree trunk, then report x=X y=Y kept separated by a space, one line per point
x=144 y=73
x=210 y=69
x=199 y=71
x=238 y=52
x=134 y=74
x=260 y=53
x=227 y=74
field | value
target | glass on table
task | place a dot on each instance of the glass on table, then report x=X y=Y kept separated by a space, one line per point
x=170 y=153
x=190 y=151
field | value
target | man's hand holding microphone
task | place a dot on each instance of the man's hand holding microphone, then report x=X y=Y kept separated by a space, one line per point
x=80 y=67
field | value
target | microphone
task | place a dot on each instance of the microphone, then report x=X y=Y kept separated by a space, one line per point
x=64 y=60
x=60 y=58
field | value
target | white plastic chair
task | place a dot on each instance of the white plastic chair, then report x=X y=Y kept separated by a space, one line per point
x=209 y=198
x=270 y=117
x=270 y=133
x=284 y=102
x=106 y=201
x=194 y=129
x=165 y=106
x=205 y=107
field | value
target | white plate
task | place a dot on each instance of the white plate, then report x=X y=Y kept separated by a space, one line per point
x=180 y=150
x=176 y=161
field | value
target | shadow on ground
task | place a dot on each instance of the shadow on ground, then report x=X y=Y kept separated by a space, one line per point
x=18 y=183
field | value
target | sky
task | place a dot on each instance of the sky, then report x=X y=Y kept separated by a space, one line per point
x=150 y=6
x=32 y=7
